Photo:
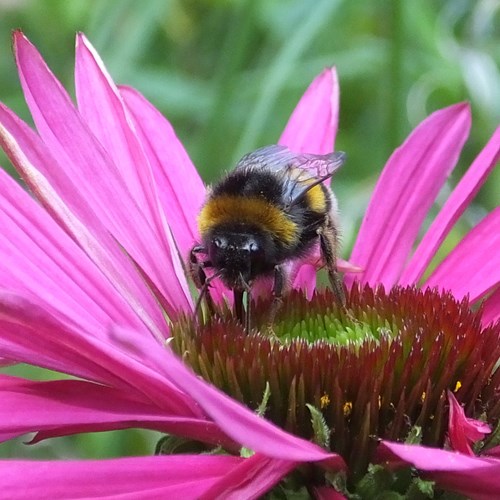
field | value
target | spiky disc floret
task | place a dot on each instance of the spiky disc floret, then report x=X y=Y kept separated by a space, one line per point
x=376 y=371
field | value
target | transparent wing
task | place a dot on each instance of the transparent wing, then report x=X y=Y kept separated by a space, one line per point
x=299 y=172
x=277 y=158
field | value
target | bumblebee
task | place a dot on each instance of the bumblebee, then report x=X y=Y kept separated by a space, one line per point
x=271 y=209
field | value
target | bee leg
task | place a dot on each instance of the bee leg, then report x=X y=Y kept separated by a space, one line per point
x=199 y=277
x=278 y=288
x=329 y=244
x=195 y=267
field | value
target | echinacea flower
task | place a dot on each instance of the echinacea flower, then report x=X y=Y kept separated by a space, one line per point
x=92 y=285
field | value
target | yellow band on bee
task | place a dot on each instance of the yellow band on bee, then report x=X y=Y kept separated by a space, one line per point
x=316 y=199
x=254 y=211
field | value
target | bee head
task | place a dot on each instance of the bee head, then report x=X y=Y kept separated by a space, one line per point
x=240 y=255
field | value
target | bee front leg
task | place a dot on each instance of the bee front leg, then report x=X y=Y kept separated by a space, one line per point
x=329 y=245
x=197 y=272
x=195 y=267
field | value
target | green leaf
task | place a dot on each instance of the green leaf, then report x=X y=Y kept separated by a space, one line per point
x=414 y=436
x=261 y=410
x=420 y=489
x=320 y=428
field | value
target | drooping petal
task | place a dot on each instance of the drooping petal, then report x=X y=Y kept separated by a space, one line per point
x=491 y=308
x=478 y=478
x=405 y=192
x=493 y=452
x=178 y=476
x=252 y=478
x=103 y=110
x=180 y=188
x=40 y=335
x=40 y=259
x=89 y=167
x=243 y=425
x=463 y=431
x=473 y=267
x=312 y=128
x=63 y=407
x=30 y=156
x=454 y=207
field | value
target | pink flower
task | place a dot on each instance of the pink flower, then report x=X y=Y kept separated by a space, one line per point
x=462 y=430
x=88 y=274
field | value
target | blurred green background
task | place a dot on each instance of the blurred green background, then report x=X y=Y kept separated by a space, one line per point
x=228 y=73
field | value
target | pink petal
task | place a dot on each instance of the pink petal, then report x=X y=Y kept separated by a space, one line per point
x=39 y=258
x=252 y=478
x=478 y=478
x=243 y=425
x=454 y=207
x=473 y=267
x=181 y=201
x=405 y=191
x=493 y=452
x=312 y=127
x=30 y=157
x=89 y=167
x=180 y=476
x=63 y=407
x=41 y=336
x=491 y=308
x=104 y=112
x=463 y=431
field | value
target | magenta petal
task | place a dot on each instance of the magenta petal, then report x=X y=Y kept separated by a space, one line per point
x=40 y=259
x=250 y=479
x=405 y=191
x=180 y=188
x=312 y=126
x=41 y=336
x=97 y=177
x=181 y=201
x=478 y=478
x=493 y=452
x=491 y=308
x=105 y=113
x=181 y=476
x=32 y=159
x=463 y=431
x=473 y=266
x=63 y=407
x=243 y=425
x=454 y=207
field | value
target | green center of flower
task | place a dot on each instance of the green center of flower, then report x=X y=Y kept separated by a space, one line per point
x=379 y=369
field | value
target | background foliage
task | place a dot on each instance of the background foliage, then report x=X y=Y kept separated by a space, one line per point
x=227 y=74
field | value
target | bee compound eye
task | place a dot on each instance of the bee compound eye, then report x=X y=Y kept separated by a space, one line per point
x=253 y=247
x=218 y=242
